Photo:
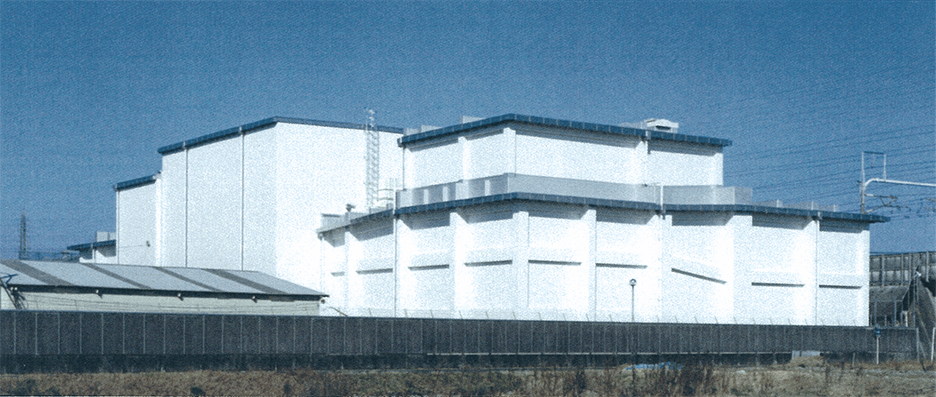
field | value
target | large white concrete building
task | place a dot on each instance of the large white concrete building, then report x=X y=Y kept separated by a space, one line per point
x=249 y=197
x=533 y=218
x=506 y=217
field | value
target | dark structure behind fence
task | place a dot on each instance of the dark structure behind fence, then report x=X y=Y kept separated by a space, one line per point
x=92 y=341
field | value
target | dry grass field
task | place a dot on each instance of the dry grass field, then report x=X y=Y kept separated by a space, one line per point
x=801 y=377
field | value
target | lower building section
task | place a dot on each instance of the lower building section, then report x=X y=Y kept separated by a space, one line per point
x=545 y=259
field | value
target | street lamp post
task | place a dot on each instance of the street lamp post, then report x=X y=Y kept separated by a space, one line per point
x=633 y=283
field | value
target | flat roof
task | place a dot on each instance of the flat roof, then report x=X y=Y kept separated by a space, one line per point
x=543 y=121
x=128 y=278
x=261 y=125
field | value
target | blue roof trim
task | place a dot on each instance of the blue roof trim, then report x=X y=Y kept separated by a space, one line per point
x=602 y=128
x=637 y=205
x=260 y=125
x=146 y=180
x=758 y=209
x=87 y=246
x=371 y=217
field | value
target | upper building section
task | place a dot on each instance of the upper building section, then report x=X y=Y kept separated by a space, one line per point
x=543 y=147
x=262 y=125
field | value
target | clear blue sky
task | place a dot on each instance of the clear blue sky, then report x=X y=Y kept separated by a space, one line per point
x=90 y=90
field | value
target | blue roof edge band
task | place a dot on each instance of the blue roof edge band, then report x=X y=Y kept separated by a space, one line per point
x=146 y=180
x=85 y=246
x=636 y=205
x=639 y=205
x=602 y=128
x=263 y=124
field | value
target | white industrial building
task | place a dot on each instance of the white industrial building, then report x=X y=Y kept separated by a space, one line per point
x=533 y=218
x=249 y=197
x=506 y=217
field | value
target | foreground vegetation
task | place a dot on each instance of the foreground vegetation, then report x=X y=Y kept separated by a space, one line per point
x=801 y=377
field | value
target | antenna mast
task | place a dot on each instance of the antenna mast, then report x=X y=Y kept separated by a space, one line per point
x=372 y=177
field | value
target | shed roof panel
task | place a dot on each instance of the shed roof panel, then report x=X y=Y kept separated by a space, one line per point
x=148 y=278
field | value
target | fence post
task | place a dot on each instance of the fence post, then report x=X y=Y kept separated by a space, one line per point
x=932 y=342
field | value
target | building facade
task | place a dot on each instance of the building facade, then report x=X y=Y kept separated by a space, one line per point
x=532 y=218
x=250 y=197
x=507 y=217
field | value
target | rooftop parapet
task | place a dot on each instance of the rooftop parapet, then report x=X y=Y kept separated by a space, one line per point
x=517 y=183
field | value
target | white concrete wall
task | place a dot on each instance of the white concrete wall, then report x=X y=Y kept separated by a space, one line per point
x=590 y=157
x=561 y=153
x=333 y=277
x=260 y=196
x=843 y=250
x=174 y=210
x=561 y=266
x=430 y=164
x=571 y=262
x=698 y=257
x=629 y=247
x=214 y=207
x=254 y=201
x=489 y=154
x=426 y=270
x=775 y=272
x=311 y=180
x=371 y=258
x=679 y=163
x=138 y=224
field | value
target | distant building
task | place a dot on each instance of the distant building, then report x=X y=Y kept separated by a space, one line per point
x=893 y=296
x=102 y=250
x=35 y=285
x=526 y=217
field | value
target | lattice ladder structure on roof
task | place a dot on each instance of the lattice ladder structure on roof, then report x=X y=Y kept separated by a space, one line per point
x=372 y=159
x=863 y=185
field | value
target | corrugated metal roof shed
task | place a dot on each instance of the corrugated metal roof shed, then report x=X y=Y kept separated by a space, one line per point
x=36 y=274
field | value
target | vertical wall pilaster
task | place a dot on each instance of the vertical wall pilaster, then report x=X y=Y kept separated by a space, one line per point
x=460 y=245
x=465 y=149
x=521 y=260
x=352 y=286
x=510 y=137
x=662 y=267
x=590 y=220
x=812 y=282
x=404 y=284
x=117 y=248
